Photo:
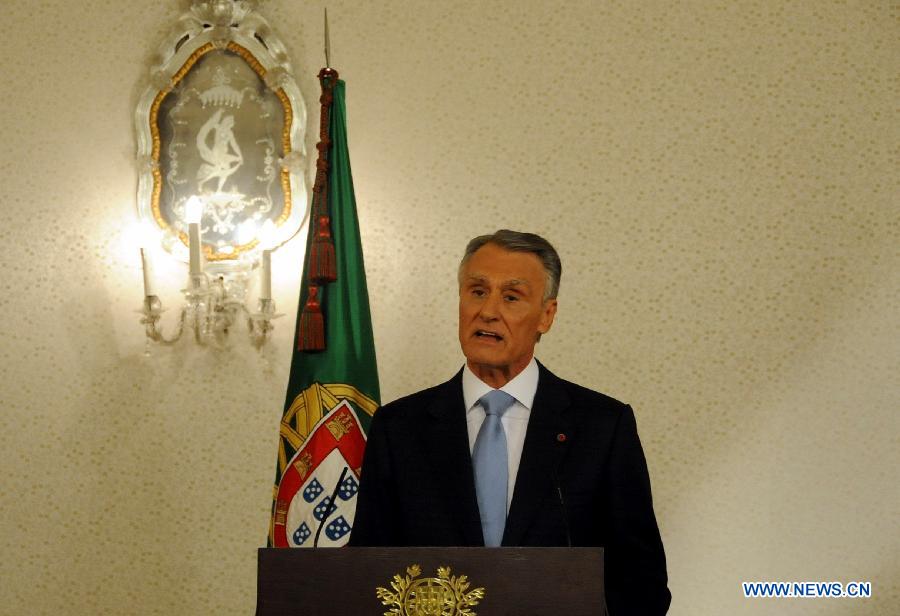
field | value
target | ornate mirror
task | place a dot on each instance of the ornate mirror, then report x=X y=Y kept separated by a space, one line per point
x=220 y=137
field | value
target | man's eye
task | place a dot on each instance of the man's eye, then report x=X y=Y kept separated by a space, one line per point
x=478 y=292
x=511 y=298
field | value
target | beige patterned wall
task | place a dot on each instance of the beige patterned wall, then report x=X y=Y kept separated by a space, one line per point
x=719 y=177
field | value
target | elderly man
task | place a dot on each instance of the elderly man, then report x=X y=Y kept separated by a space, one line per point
x=508 y=454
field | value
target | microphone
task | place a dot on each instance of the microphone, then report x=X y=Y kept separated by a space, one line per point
x=565 y=511
x=331 y=506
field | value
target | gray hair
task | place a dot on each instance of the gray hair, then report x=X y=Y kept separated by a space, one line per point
x=517 y=241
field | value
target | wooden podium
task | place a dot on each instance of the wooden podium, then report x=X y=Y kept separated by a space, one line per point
x=516 y=581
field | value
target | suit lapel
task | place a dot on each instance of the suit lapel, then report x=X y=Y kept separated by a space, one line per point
x=541 y=455
x=447 y=439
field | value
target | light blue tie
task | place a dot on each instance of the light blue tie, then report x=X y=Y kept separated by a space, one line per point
x=490 y=460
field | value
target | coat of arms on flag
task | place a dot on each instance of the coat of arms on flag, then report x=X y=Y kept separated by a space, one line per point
x=317 y=492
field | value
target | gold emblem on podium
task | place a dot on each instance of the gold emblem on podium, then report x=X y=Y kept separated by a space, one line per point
x=444 y=595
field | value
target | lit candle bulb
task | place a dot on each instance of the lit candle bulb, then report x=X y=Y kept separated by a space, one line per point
x=193 y=209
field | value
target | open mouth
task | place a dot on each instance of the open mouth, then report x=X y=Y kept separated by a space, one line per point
x=486 y=335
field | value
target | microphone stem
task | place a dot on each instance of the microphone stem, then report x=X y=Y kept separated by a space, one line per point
x=565 y=512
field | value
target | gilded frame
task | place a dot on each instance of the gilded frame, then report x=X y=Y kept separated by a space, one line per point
x=208 y=31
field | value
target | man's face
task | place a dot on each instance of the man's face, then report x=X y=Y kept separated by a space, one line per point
x=501 y=309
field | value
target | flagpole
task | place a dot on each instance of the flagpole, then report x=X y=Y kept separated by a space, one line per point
x=327 y=42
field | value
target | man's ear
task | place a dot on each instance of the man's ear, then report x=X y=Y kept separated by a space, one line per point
x=547 y=315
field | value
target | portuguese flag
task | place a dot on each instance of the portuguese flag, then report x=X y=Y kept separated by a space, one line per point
x=333 y=387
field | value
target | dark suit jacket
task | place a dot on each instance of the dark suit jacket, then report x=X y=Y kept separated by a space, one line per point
x=418 y=488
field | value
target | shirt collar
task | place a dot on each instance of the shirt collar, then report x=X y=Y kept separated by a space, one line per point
x=522 y=387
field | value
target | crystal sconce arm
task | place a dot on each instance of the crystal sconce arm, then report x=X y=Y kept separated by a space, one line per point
x=212 y=309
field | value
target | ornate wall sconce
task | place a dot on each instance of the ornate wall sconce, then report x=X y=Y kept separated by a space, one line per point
x=220 y=150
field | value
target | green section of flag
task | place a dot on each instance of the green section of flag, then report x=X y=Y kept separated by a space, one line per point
x=350 y=348
x=346 y=369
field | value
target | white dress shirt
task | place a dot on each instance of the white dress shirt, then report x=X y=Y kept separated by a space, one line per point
x=522 y=387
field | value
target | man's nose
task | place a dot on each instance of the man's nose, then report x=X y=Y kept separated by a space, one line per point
x=490 y=308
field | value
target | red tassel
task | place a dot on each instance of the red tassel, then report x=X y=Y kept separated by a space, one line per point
x=311 y=332
x=322 y=265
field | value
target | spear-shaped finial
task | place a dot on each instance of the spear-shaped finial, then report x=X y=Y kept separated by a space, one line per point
x=327 y=42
